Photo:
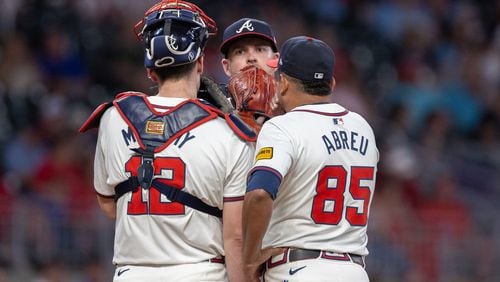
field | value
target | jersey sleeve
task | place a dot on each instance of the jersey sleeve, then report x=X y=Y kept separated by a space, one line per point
x=100 y=170
x=274 y=150
x=241 y=162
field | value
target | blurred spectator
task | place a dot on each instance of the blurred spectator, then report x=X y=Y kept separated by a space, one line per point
x=447 y=222
x=17 y=69
x=60 y=61
x=393 y=231
x=4 y=270
x=52 y=271
x=23 y=156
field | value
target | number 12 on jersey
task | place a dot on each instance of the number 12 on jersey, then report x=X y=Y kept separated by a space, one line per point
x=333 y=197
x=138 y=206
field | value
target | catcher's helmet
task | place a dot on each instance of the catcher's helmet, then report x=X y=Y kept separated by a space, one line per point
x=174 y=33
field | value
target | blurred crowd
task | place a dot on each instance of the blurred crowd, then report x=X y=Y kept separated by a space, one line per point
x=424 y=73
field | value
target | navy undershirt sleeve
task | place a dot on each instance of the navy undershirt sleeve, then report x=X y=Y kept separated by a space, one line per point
x=264 y=179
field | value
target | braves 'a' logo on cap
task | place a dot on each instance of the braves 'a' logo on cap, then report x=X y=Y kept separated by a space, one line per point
x=247 y=25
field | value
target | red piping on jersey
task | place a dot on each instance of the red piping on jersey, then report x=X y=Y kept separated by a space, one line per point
x=233 y=199
x=339 y=114
x=266 y=168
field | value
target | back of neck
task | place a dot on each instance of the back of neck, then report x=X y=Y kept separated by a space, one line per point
x=181 y=88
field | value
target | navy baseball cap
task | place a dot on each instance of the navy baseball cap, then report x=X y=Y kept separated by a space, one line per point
x=247 y=27
x=305 y=58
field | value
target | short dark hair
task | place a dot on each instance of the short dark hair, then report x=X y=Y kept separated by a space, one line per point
x=318 y=88
x=175 y=72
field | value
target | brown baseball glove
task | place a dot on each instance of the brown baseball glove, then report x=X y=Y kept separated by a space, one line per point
x=253 y=91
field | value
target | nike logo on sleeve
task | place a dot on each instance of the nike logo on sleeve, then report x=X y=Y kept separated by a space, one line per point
x=293 y=271
x=121 y=271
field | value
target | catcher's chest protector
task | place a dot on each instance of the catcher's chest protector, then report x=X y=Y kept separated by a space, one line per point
x=156 y=129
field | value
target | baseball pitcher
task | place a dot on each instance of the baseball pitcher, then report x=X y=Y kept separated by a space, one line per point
x=247 y=45
x=310 y=189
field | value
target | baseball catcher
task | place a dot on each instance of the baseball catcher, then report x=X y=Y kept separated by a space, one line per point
x=171 y=168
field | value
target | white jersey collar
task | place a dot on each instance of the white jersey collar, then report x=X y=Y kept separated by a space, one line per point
x=331 y=108
x=165 y=101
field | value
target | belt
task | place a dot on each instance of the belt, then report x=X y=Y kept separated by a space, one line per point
x=217 y=260
x=220 y=260
x=291 y=255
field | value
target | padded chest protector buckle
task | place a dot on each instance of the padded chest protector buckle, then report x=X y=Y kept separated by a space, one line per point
x=145 y=172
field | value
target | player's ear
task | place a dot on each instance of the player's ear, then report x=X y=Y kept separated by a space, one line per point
x=152 y=75
x=333 y=83
x=225 y=66
x=283 y=84
x=200 y=64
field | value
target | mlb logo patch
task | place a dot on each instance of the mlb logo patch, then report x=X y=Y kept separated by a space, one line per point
x=338 y=121
x=318 y=75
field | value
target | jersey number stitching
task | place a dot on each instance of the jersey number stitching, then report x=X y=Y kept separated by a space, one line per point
x=328 y=204
x=176 y=169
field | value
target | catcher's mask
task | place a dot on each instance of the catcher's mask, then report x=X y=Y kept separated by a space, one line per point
x=174 y=33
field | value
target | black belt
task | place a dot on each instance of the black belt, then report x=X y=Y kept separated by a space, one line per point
x=292 y=255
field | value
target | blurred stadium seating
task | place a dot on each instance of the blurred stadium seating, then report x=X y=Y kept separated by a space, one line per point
x=425 y=74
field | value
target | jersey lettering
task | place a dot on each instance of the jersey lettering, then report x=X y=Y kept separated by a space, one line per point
x=343 y=141
x=328 y=204
x=354 y=136
x=185 y=137
x=343 y=136
x=128 y=136
x=358 y=192
x=171 y=171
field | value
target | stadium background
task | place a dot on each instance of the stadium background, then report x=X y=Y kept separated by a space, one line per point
x=426 y=74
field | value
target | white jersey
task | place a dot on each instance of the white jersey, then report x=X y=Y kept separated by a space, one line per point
x=209 y=161
x=327 y=158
